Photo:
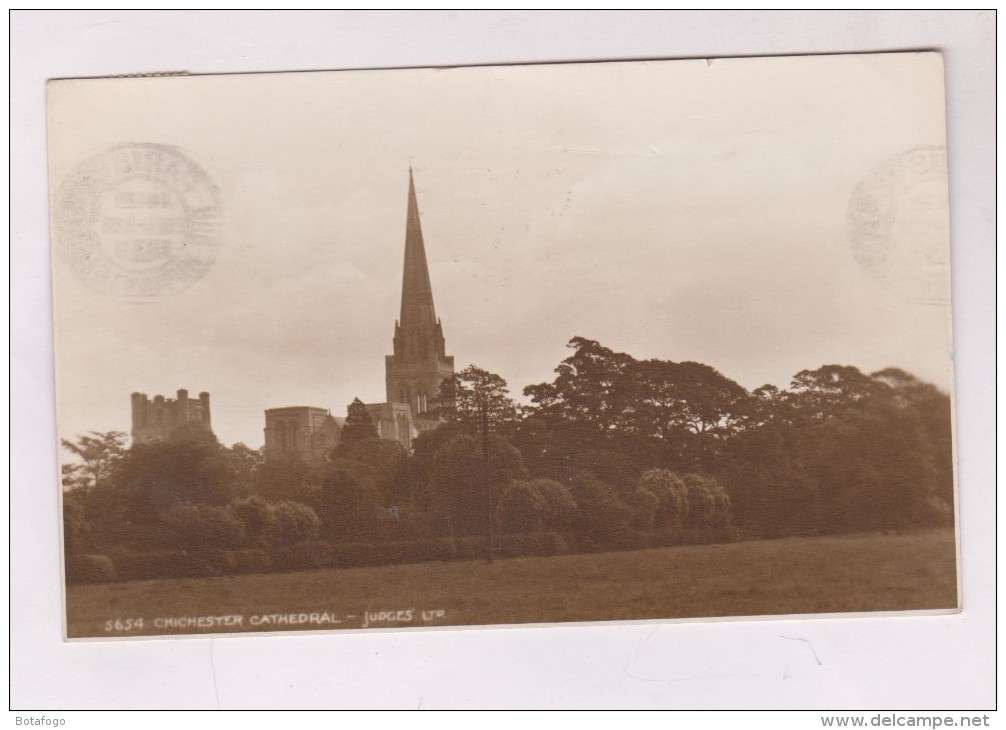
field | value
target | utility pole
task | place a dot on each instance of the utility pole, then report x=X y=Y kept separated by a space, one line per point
x=485 y=476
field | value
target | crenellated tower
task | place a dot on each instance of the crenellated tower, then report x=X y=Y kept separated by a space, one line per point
x=164 y=418
x=419 y=365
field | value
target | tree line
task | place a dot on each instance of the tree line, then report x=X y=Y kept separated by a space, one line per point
x=615 y=452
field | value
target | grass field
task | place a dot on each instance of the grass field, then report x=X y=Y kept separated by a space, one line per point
x=789 y=576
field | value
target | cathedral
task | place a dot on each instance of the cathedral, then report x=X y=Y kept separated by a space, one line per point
x=413 y=372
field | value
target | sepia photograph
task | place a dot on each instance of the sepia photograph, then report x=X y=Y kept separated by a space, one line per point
x=503 y=345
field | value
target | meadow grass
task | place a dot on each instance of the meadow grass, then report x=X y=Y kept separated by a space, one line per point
x=787 y=576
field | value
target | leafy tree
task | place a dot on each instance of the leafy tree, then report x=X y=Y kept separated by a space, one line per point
x=285 y=476
x=420 y=463
x=292 y=522
x=600 y=513
x=457 y=480
x=637 y=414
x=592 y=387
x=930 y=411
x=768 y=405
x=98 y=453
x=671 y=494
x=359 y=425
x=385 y=463
x=521 y=508
x=76 y=528
x=282 y=523
x=708 y=502
x=561 y=505
x=879 y=471
x=153 y=477
x=205 y=525
x=347 y=505
x=765 y=473
x=830 y=391
x=474 y=393
x=478 y=400
x=247 y=462
x=531 y=506
x=686 y=396
x=617 y=467
x=257 y=516
x=644 y=505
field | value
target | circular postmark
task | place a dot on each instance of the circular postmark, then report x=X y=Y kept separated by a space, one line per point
x=137 y=221
x=899 y=225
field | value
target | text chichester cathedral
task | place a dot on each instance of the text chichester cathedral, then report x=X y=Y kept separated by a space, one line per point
x=413 y=374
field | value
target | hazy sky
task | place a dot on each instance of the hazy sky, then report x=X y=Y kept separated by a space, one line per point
x=680 y=210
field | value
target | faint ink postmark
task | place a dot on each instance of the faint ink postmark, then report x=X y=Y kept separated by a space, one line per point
x=898 y=224
x=137 y=221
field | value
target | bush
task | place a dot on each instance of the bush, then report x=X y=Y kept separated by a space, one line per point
x=214 y=561
x=292 y=522
x=89 y=569
x=710 y=534
x=354 y=555
x=252 y=560
x=404 y=523
x=76 y=528
x=159 y=565
x=205 y=525
x=348 y=503
x=521 y=508
x=469 y=548
x=457 y=479
x=534 y=545
x=304 y=556
x=708 y=510
x=599 y=511
x=631 y=540
x=316 y=555
x=535 y=506
x=672 y=497
x=668 y=537
x=644 y=505
x=561 y=505
x=257 y=516
x=412 y=551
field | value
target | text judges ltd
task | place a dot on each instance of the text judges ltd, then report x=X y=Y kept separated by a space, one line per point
x=239 y=621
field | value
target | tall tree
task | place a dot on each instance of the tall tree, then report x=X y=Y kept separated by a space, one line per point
x=474 y=393
x=592 y=386
x=98 y=453
x=480 y=402
x=384 y=462
x=650 y=413
x=599 y=512
x=359 y=425
x=460 y=489
x=685 y=396
x=831 y=391
x=155 y=476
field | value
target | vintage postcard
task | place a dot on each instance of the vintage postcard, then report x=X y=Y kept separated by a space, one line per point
x=369 y=350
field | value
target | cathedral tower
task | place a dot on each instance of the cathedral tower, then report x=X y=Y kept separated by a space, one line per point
x=165 y=418
x=414 y=373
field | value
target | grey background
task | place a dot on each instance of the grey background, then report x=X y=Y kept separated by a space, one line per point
x=865 y=663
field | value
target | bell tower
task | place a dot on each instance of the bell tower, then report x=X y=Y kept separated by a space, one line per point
x=419 y=365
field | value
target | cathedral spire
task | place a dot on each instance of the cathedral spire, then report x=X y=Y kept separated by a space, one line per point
x=419 y=365
x=417 y=294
